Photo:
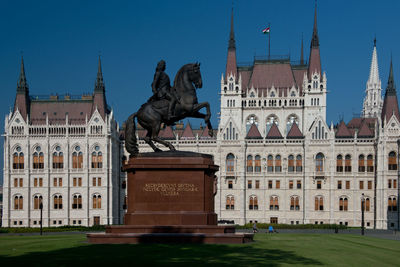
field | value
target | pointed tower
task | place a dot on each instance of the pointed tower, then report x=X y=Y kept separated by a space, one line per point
x=22 y=97
x=390 y=104
x=314 y=65
x=231 y=67
x=99 y=97
x=372 y=106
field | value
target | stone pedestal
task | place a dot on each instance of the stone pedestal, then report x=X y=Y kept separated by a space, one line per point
x=170 y=199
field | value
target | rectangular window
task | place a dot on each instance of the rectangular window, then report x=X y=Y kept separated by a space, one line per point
x=35 y=182
x=347 y=184
x=98 y=181
x=361 y=184
x=74 y=182
x=94 y=181
x=60 y=181
x=290 y=184
x=278 y=184
x=269 y=184
x=394 y=183
x=21 y=182
x=230 y=184
x=79 y=181
x=40 y=182
x=54 y=182
x=389 y=183
x=257 y=184
x=249 y=184
x=339 y=185
x=369 y=184
x=319 y=184
x=15 y=182
x=298 y=184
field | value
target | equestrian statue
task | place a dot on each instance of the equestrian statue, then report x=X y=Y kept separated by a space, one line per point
x=167 y=106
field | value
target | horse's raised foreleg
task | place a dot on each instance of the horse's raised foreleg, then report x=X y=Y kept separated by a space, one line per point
x=206 y=105
x=203 y=116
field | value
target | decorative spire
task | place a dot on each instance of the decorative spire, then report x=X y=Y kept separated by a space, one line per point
x=302 y=51
x=391 y=87
x=231 y=67
x=374 y=71
x=315 y=39
x=232 y=44
x=22 y=85
x=99 y=85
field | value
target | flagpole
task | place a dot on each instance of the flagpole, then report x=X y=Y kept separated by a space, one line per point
x=269 y=42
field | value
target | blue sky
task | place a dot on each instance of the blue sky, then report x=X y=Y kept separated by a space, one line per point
x=61 y=40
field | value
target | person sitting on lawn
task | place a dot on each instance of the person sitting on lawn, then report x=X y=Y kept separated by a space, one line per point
x=270 y=229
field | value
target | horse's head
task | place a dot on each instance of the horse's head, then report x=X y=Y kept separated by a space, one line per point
x=193 y=71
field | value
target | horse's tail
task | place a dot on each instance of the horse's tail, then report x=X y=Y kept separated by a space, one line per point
x=131 y=144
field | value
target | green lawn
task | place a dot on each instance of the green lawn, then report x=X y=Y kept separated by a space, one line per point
x=272 y=250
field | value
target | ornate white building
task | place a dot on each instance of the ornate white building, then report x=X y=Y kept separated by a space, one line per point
x=280 y=161
x=63 y=152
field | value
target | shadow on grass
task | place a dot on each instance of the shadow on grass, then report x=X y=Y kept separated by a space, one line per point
x=160 y=254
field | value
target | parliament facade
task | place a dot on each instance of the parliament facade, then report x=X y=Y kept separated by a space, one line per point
x=280 y=162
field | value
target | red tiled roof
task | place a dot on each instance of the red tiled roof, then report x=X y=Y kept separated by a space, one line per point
x=231 y=63
x=279 y=75
x=294 y=132
x=343 y=131
x=253 y=133
x=57 y=110
x=274 y=132
x=299 y=76
x=390 y=107
x=315 y=62
x=188 y=132
x=167 y=133
x=365 y=131
x=245 y=78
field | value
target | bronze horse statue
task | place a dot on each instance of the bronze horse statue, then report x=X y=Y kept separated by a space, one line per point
x=152 y=114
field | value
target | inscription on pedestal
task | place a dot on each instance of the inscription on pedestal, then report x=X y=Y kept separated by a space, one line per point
x=170 y=189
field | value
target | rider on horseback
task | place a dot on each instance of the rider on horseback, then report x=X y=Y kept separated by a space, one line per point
x=162 y=89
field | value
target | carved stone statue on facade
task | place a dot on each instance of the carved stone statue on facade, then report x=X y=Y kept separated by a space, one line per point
x=168 y=105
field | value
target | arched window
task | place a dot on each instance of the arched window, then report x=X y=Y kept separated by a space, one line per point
x=273 y=203
x=291 y=163
x=271 y=119
x=77 y=201
x=77 y=158
x=367 y=204
x=230 y=202
x=347 y=163
x=319 y=203
x=294 y=203
x=58 y=202
x=319 y=162
x=58 y=158
x=370 y=163
x=249 y=163
x=230 y=163
x=18 y=158
x=299 y=163
x=392 y=164
x=252 y=119
x=253 y=203
x=97 y=158
x=289 y=122
x=343 y=204
x=18 y=202
x=278 y=163
x=392 y=203
x=361 y=163
x=270 y=163
x=257 y=163
x=339 y=163
x=96 y=201
x=37 y=200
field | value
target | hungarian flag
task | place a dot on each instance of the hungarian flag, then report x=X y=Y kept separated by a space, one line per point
x=266 y=30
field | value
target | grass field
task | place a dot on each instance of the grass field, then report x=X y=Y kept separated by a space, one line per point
x=271 y=250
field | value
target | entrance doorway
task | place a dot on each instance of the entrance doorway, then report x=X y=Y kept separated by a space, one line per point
x=96 y=220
